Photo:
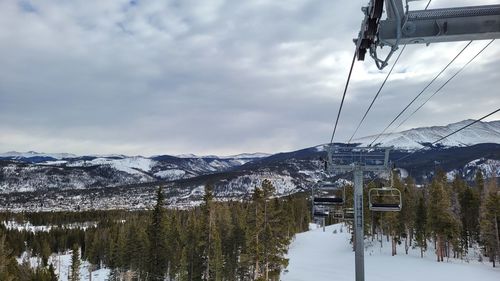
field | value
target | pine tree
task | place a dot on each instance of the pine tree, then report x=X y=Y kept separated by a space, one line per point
x=8 y=264
x=408 y=211
x=212 y=248
x=252 y=257
x=421 y=225
x=52 y=273
x=469 y=212
x=441 y=220
x=75 y=264
x=45 y=252
x=490 y=222
x=479 y=179
x=157 y=254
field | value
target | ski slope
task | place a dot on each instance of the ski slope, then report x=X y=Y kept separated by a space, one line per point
x=317 y=255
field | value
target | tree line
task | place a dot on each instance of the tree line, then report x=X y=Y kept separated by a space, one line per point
x=248 y=239
x=453 y=215
x=234 y=240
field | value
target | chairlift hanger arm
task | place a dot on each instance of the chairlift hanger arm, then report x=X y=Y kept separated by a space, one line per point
x=422 y=26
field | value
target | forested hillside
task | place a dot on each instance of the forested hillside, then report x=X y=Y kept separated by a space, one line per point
x=454 y=216
x=216 y=241
x=246 y=240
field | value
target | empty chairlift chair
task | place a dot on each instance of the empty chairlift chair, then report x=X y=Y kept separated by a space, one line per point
x=338 y=213
x=321 y=212
x=385 y=199
x=329 y=194
x=349 y=214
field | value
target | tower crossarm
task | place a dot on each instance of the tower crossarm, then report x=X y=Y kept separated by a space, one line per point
x=442 y=25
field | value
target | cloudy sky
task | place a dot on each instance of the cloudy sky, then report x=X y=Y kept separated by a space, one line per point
x=212 y=77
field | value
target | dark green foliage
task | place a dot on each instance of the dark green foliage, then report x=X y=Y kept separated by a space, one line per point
x=157 y=254
x=75 y=264
x=490 y=222
x=421 y=233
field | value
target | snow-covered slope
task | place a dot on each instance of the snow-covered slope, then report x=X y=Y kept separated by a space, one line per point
x=130 y=165
x=481 y=132
x=237 y=156
x=317 y=255
x=489 y=167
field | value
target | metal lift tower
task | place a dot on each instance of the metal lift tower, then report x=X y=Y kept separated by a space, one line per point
x=358 y=160
x=402 y=26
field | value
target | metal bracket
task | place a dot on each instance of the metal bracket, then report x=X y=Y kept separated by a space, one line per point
x=424 y=26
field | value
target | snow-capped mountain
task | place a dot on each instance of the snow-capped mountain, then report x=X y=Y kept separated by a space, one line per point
x=117 y=181
x=237 y=156
x=33 y=171
x=33 y=154
x=481 y=132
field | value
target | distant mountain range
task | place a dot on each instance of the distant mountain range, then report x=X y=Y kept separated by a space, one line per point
x=481 y=132
x=63 y=181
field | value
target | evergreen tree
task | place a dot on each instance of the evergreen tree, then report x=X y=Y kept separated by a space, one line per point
x=45 y=252
x=8 y=265
x=421 y=225
x=490 y=222
x=440 y=217
x=254 y=249
x=479 y=179
x=52 y=273
x=157 y=254
x=469 y=212
x=213 y=260
x=75 y=264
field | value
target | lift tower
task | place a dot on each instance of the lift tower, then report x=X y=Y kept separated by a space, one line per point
x=358 y=160
x=402 y=26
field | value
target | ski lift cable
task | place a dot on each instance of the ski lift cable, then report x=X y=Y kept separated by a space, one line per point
x=343 y=97
x=444 y=84
x=381 y=86
x=376 y=95
x=450 y=134
x=420 y=93
x=428 y=3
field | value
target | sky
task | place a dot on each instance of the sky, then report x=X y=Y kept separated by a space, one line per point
x=214 y=77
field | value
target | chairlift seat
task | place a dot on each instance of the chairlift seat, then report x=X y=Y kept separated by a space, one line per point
x=328 y=200
x=321 y=214
x=349 y=214
x=385 y=207
x=386 y=199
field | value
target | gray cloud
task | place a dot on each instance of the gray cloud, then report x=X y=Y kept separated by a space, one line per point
x=216 y=77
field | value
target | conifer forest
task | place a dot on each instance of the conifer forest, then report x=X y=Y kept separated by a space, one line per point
x=247 y=239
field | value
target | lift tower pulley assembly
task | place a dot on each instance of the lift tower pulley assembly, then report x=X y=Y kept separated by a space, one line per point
x=402 y=27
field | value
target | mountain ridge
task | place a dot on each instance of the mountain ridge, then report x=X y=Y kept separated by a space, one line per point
x=481 y=132
x=118 y=180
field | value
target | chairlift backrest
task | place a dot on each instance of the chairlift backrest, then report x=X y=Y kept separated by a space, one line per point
x=385 y=199
x=328 y=193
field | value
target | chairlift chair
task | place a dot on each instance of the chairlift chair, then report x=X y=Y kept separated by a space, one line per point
x=338 y=214
x=329 y=194
x=385 y=199
x=349 y=214
x=321 y=212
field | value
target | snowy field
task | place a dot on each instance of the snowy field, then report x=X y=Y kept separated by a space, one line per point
x=317 y=255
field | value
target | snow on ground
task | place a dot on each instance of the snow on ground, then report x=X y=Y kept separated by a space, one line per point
x=171 y=174
x=129 y=165
x=317 y=255
x=62 y=265
x=45 y=228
